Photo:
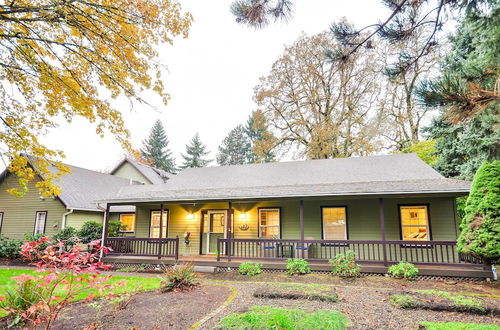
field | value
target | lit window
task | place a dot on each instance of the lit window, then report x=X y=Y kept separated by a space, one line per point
x=154 y=231
x=334 y=223
x=40 y=219
x=128 y=222
x=269 y=223
x=415 y=223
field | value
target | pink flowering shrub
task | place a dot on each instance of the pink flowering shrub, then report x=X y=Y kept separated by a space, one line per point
x=60 y=278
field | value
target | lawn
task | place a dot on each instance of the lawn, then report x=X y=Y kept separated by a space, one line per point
x=132 y=284
x=458 y=326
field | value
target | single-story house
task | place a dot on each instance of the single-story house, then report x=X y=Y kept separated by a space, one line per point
x=385 y=208
x=76 y=204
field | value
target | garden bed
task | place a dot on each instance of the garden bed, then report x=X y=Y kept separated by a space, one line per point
x=297 y=291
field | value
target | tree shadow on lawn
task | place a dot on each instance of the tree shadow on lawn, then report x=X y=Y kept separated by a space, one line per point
x=146 y=310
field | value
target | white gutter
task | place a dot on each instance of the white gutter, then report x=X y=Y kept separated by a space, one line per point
x=63 y=222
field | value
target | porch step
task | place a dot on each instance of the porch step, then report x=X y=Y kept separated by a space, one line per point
x=204 y=269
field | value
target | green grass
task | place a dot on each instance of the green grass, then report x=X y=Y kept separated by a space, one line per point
x=456 y=299
x=132 y=283
x=403 y=300
x=264 y=317
x=458 y=326
x=312 y=289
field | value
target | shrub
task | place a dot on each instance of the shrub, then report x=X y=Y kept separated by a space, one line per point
x=404 y=270
x=9 y=248
x=66 y=273
x=92 y=231
x=40 y=238
x=250 y=268
x=344 y=265
x=297 y=267
x=68 y=235
x=178 y=278
x=480 y=227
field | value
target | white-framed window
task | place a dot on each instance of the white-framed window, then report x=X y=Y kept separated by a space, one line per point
x=40 y=220
x=334 y=222
x=1 y=221
x=415 y=222
x=154 y=230
x=269 y=223
x=128 y=222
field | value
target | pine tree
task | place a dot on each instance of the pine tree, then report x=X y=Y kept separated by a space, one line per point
x=262 y=140
x=236 y=148
x=480 y=227
x=195 y=154
x=155 y=149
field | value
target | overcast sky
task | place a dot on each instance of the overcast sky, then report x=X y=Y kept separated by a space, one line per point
x=211 y=76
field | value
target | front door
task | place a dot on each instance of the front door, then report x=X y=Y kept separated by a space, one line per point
x=214 y=227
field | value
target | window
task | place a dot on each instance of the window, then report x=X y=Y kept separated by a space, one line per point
x=269 y=223
x=415 y=223
x=154 y=231
x=40 y=219
x=1 y=221
x=128 y=221
x=334 y=222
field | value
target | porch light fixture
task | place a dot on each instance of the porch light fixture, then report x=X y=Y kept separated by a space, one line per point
x=190 y=216
x=243 y=215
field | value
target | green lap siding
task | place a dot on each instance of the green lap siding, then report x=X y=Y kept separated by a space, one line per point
x=78 y=218
x=19 y=213
x=128 y=171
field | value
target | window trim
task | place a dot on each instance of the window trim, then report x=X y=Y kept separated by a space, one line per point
x=428 y=206
x=44 y=223
x=346 y=220
x=279 y=218
x=135 y=221
x=2 y=214
x=151 y=218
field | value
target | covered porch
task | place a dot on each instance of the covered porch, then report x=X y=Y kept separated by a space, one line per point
x=382 y=230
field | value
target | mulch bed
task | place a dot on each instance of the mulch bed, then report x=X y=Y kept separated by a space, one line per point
x=147 y=310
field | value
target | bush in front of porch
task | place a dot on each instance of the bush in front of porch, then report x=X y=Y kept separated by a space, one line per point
x=344 y=265
x=297 y=267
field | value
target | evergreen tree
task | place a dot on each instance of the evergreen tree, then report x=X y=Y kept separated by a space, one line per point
x=155 y=149
x=462 y=148
x=262 y=140
x=236 y=148
x=480 y=227
x=195 y=154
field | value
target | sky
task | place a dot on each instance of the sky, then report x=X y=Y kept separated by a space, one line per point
x=210 y=77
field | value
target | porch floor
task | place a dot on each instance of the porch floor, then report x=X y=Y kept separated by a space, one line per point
x=374 y=268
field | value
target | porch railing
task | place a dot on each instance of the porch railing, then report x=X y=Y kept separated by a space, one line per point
x=144 y=247
x=367 y=251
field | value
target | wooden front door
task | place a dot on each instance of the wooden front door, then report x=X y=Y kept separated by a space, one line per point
x=214 y=227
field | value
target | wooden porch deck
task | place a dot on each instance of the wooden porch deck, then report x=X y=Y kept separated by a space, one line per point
x=371 y=268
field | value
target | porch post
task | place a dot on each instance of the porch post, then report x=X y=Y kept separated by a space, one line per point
x=105 y=228
x=301 y=216
x=161 y=220
x=228 y=231
x=382 y=228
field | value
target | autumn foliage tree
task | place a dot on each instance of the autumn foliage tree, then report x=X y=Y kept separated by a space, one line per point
x=322 y=108
x=66 y=59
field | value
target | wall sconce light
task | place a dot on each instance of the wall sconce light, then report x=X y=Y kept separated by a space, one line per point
x=243 y=215
x=190 y=216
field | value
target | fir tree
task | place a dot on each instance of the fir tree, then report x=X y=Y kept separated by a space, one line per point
x=155 y=149
x=262 y=140
x=236 y=148
x=195 y=154
x=480 y=228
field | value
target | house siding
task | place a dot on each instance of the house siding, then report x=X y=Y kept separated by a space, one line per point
x=78 y=218
x=19 y=213
x=362 y=218
x=128 y=171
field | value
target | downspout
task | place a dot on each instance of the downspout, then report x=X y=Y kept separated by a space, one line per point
x=63 y=221
x=99 y=207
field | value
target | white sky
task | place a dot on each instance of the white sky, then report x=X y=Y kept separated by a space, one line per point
x=211 y=76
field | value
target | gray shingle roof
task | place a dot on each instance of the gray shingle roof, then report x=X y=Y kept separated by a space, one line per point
x=152 y=174
x=83 y=187
x=391 y=174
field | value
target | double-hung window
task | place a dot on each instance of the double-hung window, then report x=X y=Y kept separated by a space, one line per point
x=334 y=222
x=40 y=220
x=128 y=222
x=154 y=230
x=415 y=222
x=269 y=223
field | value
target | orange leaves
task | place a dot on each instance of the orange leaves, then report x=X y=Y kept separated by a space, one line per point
x=57 y=58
